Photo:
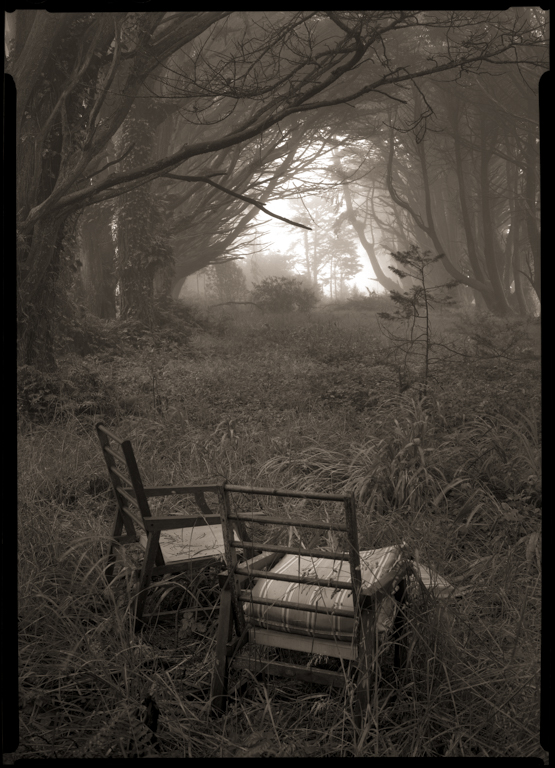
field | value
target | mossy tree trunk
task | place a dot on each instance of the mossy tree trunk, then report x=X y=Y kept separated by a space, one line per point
x=142 y=238
x=487 y=142
x=97 y=255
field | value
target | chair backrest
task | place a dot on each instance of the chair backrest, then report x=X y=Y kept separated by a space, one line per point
x=204 y=536
x=349 y=579
x=126 y=479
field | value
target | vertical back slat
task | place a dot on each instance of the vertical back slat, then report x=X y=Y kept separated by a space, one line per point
x=121 y=517
x=231 y=558
x=354 y=559
x=135 y=476
x=200 y=501
x=140 y=495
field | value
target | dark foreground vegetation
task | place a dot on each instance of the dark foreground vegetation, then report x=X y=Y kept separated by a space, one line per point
x=309 y=400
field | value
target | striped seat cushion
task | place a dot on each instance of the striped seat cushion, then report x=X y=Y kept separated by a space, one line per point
x=375 y=563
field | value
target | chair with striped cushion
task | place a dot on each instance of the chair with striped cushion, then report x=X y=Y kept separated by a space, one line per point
x=172 y=544
x=342 y=603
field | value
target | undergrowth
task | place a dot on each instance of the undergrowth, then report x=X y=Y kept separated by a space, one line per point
x=310 y=402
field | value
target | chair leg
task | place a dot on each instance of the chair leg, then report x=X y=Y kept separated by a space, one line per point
x=116 y=531
x=140 y=601
x=218 y=692
x=400 y=638
x=146 y=577
x=363 y=694
x=367 y=655
x=111 y=562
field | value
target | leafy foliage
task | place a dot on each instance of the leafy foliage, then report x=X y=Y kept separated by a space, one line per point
x=75 y=388
x=491 y=337
x=284 y=294
x=226 y=282
x=51 y=396
x=37 y=391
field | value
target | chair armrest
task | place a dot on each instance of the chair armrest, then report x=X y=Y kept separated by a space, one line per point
x=254 y=515
x=180 y=490
x=223 y=580
x=172 y=523
x=264 y=560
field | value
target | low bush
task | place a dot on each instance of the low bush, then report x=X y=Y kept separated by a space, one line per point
x=284 y=294
x=73 y=389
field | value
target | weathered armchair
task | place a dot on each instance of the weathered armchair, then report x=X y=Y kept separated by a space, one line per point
x=339 y=604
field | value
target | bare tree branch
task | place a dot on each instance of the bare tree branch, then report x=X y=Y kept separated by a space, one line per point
x=270 y=114
x=233 y=194
x=118 y=160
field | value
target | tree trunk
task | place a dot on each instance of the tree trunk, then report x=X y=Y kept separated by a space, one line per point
x=428 y=228
x=514 y=238
x=315 y=257
x=517 y=264
x=463 y=198
x=530 y=210
x=36 y=278
x=501 y=305
x=384 y=280
x=135 y=280
x=140 y=250
x=38 y=33
x=307 y=255
x=176 y=288
x=97 y=255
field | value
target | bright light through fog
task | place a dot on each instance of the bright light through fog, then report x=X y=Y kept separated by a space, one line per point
x=284 y=238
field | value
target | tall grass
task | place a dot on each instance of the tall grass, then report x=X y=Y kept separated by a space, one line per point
x=465 y=494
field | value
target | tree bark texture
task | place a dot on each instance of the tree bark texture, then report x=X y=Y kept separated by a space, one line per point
x=530 y=190
x=141 y=247
x=97 y=256
x=501 y=304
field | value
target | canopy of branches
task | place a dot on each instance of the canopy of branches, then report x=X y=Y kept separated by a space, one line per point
x=152 y=144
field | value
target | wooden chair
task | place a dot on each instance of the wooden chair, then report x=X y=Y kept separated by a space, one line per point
x=340 y=604
x=185 y=543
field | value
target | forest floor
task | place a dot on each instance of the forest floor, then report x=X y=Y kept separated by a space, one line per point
x=321 y=402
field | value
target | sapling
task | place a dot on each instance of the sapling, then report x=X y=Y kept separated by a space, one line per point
x=413 y=307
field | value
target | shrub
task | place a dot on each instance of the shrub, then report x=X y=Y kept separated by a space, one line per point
x=495 y=337
x=284 y=294
x=225 y=282
x=72 y=390
x=37 y=391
